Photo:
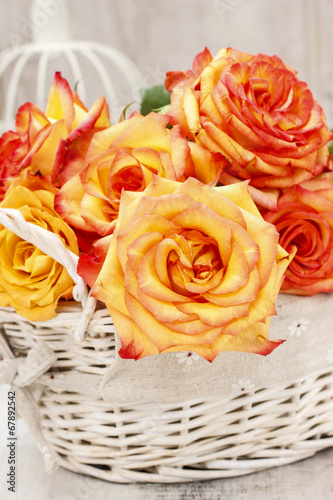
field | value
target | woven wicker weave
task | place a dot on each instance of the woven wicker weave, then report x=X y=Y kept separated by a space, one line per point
x=151 y=441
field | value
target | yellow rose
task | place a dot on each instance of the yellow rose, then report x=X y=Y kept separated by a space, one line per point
x=30 y=281
x=191 y=268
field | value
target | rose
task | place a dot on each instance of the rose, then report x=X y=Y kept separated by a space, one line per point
x=255 y=111
x=304 y=219
x=10 y=147
x=41 y=140
x=67 y=119
x=125 y=157
x=81 y=125
x=31 y=125
x=191 y=268
x=30 y=281
x=91 y=262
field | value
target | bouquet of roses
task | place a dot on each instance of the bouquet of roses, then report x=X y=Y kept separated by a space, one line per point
x=188 y=220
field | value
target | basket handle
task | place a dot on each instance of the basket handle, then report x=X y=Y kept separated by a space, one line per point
x=51 y=245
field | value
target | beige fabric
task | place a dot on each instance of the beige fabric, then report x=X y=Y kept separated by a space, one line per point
x=37 y=362
x=304 y=322
x=74 y=382
x=22 y=372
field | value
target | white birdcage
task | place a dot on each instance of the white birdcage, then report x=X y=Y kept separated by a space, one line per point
x=94 y=69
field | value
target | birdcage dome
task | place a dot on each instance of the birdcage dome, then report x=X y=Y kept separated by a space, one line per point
x=92 y=68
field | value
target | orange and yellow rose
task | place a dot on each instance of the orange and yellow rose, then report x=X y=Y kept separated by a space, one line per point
x=31 y=125
x=41 y=139
x=125 y=157
x=191 y=267
x=258 y=114
x=304 y=219
x=30 y=281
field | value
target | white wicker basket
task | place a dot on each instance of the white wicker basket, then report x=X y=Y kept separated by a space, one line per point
x=214 y=436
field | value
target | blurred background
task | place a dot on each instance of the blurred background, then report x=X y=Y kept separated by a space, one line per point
x=157 y=36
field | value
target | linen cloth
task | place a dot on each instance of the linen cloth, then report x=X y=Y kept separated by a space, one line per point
x=305 y=323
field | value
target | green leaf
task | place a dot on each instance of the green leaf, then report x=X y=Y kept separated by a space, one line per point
x=330 y=147
x=122 y=116
x=76 y=85
x=163 y=110
x=154 y=98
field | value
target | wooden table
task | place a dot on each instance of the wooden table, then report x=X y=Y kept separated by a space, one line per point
x=308 y=479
